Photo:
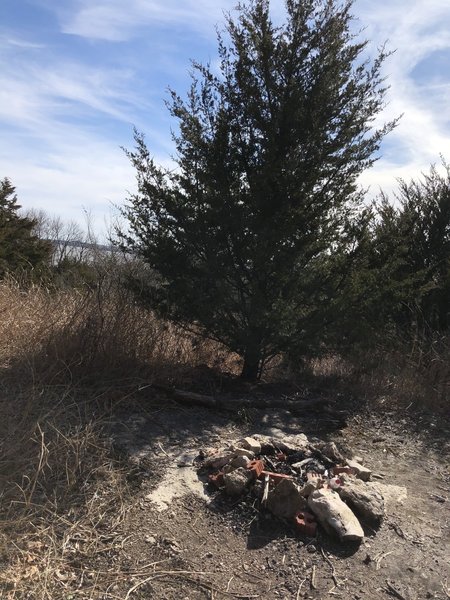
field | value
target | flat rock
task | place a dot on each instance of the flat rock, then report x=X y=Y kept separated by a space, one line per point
x=290 y=443
x=286 y=500
x=334 y=515
x=240 y=461
x=361 y=472
x=251 y=444
x=237 y=451
x=393 y=494
x=217 y=461
x=364 y=499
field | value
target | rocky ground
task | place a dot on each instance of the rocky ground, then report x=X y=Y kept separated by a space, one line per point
x=186 y=540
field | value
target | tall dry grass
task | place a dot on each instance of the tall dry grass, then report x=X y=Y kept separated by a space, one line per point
x=67 y=359
x=94 y=334
x=413 y=375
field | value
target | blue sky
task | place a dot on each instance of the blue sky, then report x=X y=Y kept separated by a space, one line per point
x=77 y=75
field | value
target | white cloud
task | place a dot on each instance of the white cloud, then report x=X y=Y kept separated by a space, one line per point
x=415 y=30
x=114 y=20
x=64 y=118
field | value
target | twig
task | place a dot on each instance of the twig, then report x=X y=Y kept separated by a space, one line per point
x=266 y=490
x=438 y=498
x=137 y=585
x=393 y=591
x=229 y=581
x=333 y=571
x=313 y=578
x=299 y=588
x=162 y=450
x=381 y=558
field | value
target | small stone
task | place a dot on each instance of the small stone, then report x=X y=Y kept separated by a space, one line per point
x=150 y=539
x=361 y=472
x=240 y=461
x=251 y=444
x=236 y=481
x=286 y=500
x=186 y=460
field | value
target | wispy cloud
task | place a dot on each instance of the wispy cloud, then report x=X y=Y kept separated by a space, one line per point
x=416 y=31
x=69 y=96
x=7 y=41
x=114 y=20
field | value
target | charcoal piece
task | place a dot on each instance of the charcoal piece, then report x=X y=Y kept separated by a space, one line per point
x=268 y=450
x=296 y=457
x=315 y=466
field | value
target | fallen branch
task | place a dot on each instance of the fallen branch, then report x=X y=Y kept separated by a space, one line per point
x=193 y=398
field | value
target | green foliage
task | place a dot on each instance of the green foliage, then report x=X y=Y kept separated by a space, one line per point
x=411 y=249
x=20 y=249
x=253 y=235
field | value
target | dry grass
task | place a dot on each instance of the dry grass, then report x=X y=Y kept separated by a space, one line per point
x=63 y=496
x=66 y=336
x=63 y=357
x=416 y=376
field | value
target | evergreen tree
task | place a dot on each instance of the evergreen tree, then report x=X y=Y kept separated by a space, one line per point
x=411 y=249
x=252 y=234
x=20 y=249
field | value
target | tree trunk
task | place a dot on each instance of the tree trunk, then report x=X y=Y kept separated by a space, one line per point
x=252 y=366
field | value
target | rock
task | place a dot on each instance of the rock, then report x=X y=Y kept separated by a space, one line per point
x=330 y=450
x=334 y=515
x=240 y=461
x=243 y=452
x=186 y=460
x=236 y=481
x=290 y=443
x=286 y=500
x=364 y=499
x=218 y=461
x=150 y=539
x=361 y=472
x=251 y=444
x=313 y=482
x=392 y=494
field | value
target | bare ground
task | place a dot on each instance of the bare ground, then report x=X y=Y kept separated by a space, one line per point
x=183 y=540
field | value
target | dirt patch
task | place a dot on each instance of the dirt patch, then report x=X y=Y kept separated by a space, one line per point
x=215 y=547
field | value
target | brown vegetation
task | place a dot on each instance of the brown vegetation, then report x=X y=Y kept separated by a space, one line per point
x=62 y=355
x=68 y=358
